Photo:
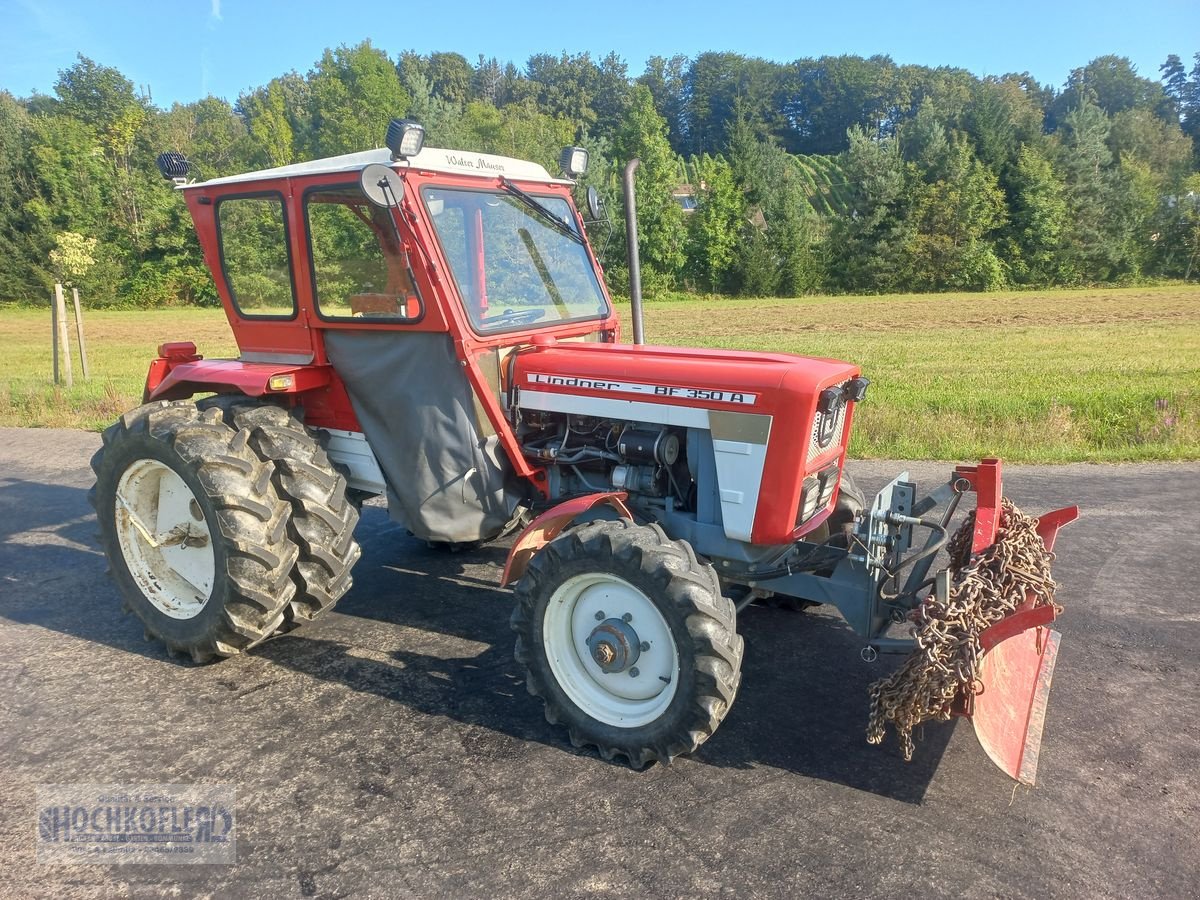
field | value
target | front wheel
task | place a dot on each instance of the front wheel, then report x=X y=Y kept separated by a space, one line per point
x=627 y=639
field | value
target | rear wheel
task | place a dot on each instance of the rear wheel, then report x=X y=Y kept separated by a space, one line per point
x=195 y=533
x=625 y=636
x=323 y=517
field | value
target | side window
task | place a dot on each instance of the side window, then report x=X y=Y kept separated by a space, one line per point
x=359 y=268
x=254 y=255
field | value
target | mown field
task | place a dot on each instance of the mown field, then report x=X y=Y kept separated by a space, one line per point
x=1101 y=375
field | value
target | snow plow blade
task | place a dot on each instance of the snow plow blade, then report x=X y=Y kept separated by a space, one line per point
x=1008 y=709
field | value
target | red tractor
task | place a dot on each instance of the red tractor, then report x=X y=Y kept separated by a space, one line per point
x=432 y=326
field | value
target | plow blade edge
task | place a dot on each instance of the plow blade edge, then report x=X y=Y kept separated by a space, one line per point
x=1015 y=674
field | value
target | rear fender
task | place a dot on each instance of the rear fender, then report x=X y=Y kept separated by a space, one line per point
x=174 y=379
x=551 y=524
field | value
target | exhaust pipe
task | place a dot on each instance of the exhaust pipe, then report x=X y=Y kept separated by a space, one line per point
x=631 y=238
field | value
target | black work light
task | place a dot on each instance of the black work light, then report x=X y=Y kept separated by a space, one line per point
x=173 y=166
x=404 y=138
x=573 y=161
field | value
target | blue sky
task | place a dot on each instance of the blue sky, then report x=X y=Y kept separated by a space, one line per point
x=186 y=49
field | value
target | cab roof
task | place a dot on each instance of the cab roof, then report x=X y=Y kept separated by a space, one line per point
x=433 y=159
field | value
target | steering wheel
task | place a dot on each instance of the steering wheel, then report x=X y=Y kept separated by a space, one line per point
x=514 y=317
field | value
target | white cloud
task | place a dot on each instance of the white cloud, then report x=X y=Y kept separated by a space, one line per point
x=216 y=10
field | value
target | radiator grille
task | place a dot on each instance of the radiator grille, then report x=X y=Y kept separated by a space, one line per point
x=814 y=443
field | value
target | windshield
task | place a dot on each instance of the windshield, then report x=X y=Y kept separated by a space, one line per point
x=512 y=266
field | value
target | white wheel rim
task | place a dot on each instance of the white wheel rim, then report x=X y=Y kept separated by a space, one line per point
x=164 y=539
x=622 y=698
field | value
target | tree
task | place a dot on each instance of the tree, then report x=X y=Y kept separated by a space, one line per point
x=1112 y=84
x=1173 y=76
x=1097 y=241
x=827 y=96
x=265 y=112
x=867 y=246
x=643 y=134
x=354 y=93
x=665 y=80
x=451 y=75
x=1002 y=117
x=719 y=86
x=24 y=242
x=952 y=218
x=73 y=256
x=780 y=232
x=714 y=229
x=1038 y=219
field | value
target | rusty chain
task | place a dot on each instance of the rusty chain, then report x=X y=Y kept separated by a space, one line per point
x=945 y=662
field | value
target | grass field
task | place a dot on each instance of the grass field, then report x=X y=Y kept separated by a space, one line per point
x=1099 y=375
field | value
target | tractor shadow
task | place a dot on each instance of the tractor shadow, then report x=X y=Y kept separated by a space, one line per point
x=52 y=571
x=802 y=706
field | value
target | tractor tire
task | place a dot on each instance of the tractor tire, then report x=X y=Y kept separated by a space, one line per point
x=617 y=578
x=323 y=516
x=195 y=533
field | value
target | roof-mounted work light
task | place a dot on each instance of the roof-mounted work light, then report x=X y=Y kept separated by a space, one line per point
x=404 y=138
x=173 y=166
x=573 y=161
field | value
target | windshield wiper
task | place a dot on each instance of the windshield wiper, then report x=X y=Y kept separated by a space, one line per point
x=540 y=211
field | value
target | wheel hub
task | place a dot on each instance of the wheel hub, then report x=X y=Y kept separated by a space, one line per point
x=164 y=538
x=614 y=645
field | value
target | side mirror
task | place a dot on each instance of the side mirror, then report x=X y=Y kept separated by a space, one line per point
x=595 y=205
x=382 y=185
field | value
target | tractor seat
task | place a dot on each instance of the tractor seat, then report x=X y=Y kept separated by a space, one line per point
x=380 y=305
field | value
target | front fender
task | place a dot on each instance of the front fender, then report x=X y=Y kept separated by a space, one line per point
x=551 y=523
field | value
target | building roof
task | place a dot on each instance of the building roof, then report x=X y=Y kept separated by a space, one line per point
x=457 y=162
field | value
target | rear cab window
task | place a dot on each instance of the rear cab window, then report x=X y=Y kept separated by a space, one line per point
x=253 y=241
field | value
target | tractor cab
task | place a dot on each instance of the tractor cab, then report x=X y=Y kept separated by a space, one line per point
x=401 y=280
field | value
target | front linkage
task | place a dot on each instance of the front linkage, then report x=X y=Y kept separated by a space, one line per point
x=980 y=644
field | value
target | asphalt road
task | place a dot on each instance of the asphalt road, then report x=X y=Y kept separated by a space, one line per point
x=391 y=750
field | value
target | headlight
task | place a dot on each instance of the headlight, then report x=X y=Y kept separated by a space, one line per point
x=809 y=496
x=817 y=492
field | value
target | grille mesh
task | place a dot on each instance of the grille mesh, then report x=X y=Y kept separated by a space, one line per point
x=814 y=443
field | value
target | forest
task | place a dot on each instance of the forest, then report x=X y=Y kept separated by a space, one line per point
x=758 y=178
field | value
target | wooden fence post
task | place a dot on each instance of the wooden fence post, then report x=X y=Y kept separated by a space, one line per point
x=60 y=306
x=79 y=333
x=54 y=335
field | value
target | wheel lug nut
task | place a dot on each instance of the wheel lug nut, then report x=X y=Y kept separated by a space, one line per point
x=628 y=617
x=600 y=616
x=645 y=646
x=634 y=673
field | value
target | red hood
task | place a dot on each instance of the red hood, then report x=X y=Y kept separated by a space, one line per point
x=689 y=387
x=613 y=369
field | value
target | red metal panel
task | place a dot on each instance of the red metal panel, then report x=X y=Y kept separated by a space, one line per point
x=1050 y=523
x=1013 y=624
x=1008 y=715
x=550 y=524
x=986 y=481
